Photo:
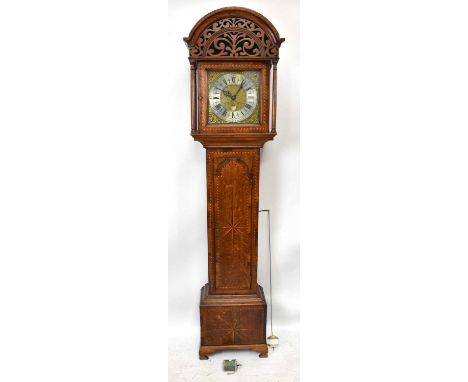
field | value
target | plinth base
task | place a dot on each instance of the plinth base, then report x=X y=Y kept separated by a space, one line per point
x=260 y=348
x=233 y=322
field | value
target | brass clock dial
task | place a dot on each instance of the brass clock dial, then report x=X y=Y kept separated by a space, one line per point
x=233 y=97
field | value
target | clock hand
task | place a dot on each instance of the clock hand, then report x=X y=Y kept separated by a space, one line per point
x=227 y=93
x=238 y=90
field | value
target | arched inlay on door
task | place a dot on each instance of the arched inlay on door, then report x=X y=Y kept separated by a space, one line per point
x=233 y=211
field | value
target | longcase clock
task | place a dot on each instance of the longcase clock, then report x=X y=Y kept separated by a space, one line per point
x=233 y=53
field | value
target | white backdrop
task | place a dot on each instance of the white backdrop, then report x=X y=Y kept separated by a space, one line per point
x=85 y=183
x=279 y=173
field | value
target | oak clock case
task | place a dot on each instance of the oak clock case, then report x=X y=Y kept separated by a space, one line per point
x=233 y=54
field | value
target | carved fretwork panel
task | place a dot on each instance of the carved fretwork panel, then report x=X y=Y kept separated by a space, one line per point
x=232 y=220
x=234 y=36
x=233 y=33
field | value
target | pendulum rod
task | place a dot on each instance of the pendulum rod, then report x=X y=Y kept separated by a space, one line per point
x=271 y=290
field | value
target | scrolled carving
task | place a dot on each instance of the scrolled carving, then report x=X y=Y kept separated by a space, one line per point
x=234 y=37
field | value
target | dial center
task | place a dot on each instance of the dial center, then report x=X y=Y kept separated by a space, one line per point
x=233 y=97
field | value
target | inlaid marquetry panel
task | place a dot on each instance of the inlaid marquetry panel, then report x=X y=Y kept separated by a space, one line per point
x=233 y=325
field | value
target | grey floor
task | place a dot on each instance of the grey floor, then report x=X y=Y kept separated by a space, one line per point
x=282 y=364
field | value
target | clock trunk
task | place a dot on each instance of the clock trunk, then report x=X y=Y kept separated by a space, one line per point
x=232 y=177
